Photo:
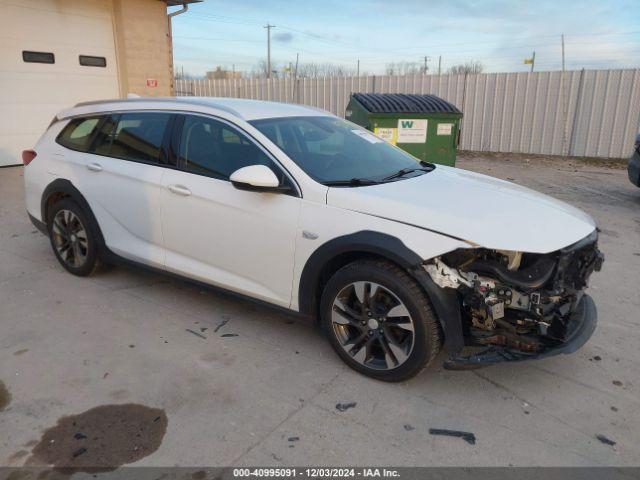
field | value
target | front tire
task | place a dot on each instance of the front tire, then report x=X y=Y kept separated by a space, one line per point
x=73 y=238
x=379 y=320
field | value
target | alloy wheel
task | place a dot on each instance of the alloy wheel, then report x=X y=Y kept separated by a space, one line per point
x=373 y=325
x=70 y=238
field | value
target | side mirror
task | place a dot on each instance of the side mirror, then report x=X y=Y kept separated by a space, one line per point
x=257 y=178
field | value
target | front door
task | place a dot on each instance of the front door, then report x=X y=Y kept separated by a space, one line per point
x=240 y=240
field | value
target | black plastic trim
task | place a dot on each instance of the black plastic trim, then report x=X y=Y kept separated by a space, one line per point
x=253 y=188
x=64 y=186
x=364 y=241
x=114 y=258
x=38 y=224
x=446 y=303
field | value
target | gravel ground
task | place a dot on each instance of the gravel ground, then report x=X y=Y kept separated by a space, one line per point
x=240 y=384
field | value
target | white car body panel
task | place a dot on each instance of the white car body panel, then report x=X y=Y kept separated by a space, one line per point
x=473 y=207
x=252 y=242
x=233 y=238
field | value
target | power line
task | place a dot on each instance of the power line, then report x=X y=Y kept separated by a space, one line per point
x=360 y=48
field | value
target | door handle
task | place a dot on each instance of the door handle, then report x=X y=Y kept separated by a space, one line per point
x=95 y=167
x=180 y=190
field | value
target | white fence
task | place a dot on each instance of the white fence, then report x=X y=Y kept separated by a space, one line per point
x=592 y=113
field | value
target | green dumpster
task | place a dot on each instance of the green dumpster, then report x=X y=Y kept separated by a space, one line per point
x=425 y=126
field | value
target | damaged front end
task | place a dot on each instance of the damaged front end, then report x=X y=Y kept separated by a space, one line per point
x=519 y=305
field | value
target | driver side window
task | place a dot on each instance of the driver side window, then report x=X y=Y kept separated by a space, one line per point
x=214 y=149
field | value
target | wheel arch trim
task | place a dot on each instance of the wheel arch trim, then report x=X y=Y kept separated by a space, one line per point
x=445 y=302
x=67 y=188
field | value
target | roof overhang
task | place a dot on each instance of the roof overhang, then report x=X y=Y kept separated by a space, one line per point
x=177 y=3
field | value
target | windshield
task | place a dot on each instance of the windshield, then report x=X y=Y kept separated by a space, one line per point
x=334 y=151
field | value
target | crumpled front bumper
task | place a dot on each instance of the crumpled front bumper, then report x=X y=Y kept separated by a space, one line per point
x=582 y=324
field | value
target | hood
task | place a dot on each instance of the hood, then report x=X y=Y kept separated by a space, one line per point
x=479 y=209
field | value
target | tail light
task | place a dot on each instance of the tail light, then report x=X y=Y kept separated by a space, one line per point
x=28 y=156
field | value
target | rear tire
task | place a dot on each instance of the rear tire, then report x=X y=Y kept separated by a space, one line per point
x=379 y=320
x=73 y=238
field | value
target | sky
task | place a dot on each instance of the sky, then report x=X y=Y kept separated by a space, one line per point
x=498 y=33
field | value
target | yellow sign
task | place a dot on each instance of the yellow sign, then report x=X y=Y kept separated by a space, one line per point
x=528 y=61
x=389 y=135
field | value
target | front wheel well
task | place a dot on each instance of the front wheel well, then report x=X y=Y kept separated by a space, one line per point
x=340 y=251
x=335 y=264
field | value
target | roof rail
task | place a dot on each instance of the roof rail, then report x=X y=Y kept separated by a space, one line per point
x=185 y=100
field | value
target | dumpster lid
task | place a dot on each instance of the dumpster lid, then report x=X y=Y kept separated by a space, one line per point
x=404 y=103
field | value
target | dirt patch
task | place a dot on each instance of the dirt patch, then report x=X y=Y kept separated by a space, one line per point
x=5 y=397
x=101 y=439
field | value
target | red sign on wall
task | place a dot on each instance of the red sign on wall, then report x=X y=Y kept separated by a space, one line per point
x=152 y=82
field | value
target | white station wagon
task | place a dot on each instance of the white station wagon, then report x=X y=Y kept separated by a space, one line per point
x=298 y=208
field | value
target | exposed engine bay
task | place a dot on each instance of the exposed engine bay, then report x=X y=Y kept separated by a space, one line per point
x=514 y=300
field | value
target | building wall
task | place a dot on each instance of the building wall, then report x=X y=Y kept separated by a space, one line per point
x=220 y=74
x=143 y=47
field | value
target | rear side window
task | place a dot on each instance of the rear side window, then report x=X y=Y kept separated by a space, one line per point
x=77 y=135
x=133 y=136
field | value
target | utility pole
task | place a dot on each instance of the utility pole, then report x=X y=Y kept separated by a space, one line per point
x=533 y=60
x=439 y=64
x=358 y=69
x=426 y=64
x=269 y=27
x=294 y=88
x=565 y=107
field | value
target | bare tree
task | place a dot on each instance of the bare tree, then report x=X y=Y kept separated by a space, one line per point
x=327 y=69
x=402 y=68
x=259 y=70
x=470 y=68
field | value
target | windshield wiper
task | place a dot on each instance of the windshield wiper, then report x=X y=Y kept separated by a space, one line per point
x=353 y=182
x=427 y=167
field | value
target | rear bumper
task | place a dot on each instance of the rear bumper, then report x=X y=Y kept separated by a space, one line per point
x=633 y=169
x=582 y=324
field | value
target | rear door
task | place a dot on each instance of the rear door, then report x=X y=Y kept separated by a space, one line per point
x=121 y=178
x=236 y=239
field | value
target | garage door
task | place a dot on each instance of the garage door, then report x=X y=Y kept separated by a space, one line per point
x=53 y=54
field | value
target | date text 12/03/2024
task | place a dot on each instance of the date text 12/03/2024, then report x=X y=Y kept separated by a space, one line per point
x=316 y=472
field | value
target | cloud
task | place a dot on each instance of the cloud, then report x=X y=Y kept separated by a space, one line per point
x=283 y=37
